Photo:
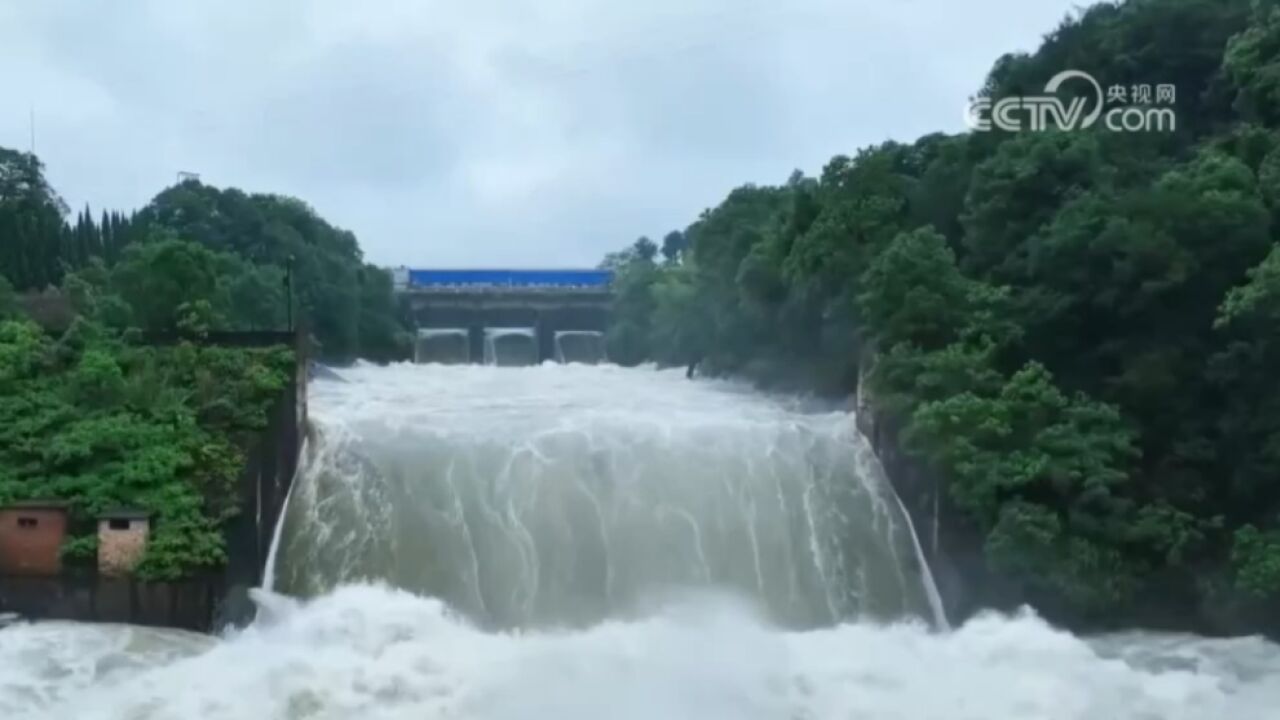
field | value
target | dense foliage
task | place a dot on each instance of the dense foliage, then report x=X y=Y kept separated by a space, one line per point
x=242 y=247
x=346 y=302
x=92 y=412
x=1080 y=329
x=105 y=424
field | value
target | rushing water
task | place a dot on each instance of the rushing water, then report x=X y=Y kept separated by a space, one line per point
x=653 y=547
x=379 y=654
x=571 y=494
x=580 y=346
x=450 y=346
x=510 y=347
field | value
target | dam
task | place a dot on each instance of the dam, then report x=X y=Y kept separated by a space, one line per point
x=506 y=317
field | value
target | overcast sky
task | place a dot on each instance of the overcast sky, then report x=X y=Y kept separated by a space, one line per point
x=516 y=133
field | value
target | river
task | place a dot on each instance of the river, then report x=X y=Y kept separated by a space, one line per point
x=581 y=542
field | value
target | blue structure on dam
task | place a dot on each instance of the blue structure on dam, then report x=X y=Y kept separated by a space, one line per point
x=494 y=279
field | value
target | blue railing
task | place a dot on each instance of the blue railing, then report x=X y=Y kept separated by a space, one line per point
x=511 y=278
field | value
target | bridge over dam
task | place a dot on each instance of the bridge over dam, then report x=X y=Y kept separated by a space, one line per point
x=507 y=317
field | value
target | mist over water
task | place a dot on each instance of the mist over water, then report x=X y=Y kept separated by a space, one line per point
x=586 y=542
x=382 y=654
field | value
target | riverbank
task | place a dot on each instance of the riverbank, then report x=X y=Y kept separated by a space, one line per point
x=955 y=547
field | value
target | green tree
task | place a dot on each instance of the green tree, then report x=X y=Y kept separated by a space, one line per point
x=332 y=283
x=673 y=246
x=1252 y=63
x=31 y=223
x=158 y=278
x=8 y=300
x=627 y=340
x=1046 y=476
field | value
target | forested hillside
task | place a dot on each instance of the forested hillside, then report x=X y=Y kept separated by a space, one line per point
x=1079 y=330
x=93 y=414
x=221 y=253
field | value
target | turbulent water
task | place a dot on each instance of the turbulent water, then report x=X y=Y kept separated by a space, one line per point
x=378 y=654
x=580 y=346
x=588 y=542
x=564 y=495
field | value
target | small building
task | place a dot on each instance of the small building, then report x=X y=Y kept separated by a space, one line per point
x=122 y=540
x=31 y=537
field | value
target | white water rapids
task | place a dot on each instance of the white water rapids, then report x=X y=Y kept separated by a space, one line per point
x=566 y=495
x=583 y=542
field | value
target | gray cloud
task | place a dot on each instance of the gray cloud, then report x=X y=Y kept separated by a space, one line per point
x=521 y=133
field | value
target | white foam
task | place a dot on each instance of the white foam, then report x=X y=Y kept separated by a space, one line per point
x=378 y=654
x=570 y=494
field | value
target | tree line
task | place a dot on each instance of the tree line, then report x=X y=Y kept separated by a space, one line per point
x=1079 y=330
x=222 y=253
x=40 y=243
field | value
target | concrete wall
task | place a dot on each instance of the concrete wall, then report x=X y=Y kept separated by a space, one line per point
x=86 y=597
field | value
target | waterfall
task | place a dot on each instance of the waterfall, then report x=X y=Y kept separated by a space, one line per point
x=556 y=495
x=580 y=346
x=450 y=346
x=269 y=571
x=510 y=346
x=722 y=537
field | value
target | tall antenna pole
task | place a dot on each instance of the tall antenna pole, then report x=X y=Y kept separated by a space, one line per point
x=33 y=130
